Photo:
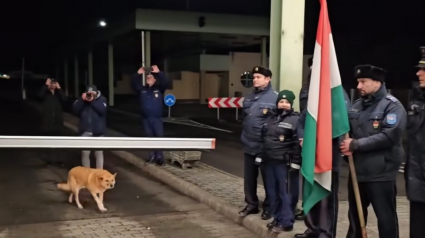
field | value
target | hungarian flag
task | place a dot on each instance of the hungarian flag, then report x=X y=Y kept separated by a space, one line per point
x=326 y=116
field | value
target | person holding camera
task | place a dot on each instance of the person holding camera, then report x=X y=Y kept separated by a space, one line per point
x=91 y=109
x=51 y=97
x=151 y=95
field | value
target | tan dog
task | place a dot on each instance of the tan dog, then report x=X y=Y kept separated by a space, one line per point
x=97 y=181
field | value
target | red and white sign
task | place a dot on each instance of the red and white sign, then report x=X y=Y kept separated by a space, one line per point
x=230 y=102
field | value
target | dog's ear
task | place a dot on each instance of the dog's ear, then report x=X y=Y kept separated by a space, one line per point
x=115 y=175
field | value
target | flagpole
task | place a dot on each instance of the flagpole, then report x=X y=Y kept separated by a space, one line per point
x=356 y=192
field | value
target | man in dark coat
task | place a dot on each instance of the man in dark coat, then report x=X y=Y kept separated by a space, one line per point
x=52 y=97
x=415 y=164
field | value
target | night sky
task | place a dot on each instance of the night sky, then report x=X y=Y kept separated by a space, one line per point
x=386 y=33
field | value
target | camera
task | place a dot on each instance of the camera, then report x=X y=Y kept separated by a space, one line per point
x=89 y=96
x=53 y=80
x=148 y=70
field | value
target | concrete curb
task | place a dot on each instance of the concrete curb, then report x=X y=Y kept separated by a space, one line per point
x=253 y=223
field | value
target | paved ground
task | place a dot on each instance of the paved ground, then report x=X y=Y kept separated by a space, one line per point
x=138 y=206
x=228 y=155
x=229 y=188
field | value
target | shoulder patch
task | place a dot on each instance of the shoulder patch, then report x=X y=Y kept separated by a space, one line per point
x=391 y=119
x=391 y=98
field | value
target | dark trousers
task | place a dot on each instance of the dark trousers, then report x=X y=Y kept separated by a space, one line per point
x=279 y=198
x=322 y=218
x=251 y=171
x=382 y=196
x=51 y=156
x=154 y=127
x=294 y=188
x=417 y=218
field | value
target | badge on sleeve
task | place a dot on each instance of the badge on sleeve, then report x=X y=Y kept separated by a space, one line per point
x=156 y=95
x=391 y=119
x=265 y=111
x=281 y=137
x=375 y=124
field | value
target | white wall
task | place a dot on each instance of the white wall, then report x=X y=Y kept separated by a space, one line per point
x=214 y=62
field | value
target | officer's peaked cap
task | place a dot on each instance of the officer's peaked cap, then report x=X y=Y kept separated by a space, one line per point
x=261 y=70
x=421 y=64
x=370 y=71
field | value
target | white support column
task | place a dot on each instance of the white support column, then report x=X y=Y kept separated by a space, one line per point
x=275 y=35
x=291 y=46
x=65 y=76
x=264 y=62
x=111 y=74
x=76 y=78
x=148 y=48
x=90 y=67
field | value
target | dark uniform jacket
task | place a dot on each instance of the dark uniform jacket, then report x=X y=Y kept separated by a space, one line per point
x=151 y=98
x=377 y=124
x=415 y=164
x=92 y=115
x=280 y=139
x=52 y=119
x=257 y=107
x=336 y=152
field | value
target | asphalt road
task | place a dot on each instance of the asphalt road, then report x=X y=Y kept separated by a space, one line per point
x=30 y=196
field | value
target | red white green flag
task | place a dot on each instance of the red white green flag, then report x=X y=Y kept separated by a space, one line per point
x=326 y=116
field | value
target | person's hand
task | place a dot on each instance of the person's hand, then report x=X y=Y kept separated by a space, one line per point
x=345 y=147
x=58 y=86
x=301 y=142
x=155 y=69
x=83 y=96
x=48 y=82
x=141 y=70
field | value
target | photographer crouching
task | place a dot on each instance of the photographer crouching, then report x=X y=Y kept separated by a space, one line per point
x=91 y=109
x=151 y=96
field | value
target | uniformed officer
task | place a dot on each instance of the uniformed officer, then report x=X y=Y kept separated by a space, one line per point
x=415 y=164
x=321 y=221
x=151 y=97
x=299 y=213
x=377 y=121
x=257 y=106
x=282 y=159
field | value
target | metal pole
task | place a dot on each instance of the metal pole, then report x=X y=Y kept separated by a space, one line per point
x=148 y=48
x=111 y=87
x=66 y=77
x=169 y=111
x=143 y=56
x=264 y=52
x=22 y=79
x=90 y=68
x=218 y=113
x=237 y=114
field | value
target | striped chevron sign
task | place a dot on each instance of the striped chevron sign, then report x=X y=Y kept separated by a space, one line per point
x=228 y=102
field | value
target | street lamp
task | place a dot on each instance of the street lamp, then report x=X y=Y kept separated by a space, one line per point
x=102 y=23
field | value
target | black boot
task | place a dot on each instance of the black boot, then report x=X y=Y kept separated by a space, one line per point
x=279 y=228
x=271 y=224
x=307 y=234
x=266 y=215
x=248 y=211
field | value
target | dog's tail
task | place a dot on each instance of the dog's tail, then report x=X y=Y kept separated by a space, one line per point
x=64 y=187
